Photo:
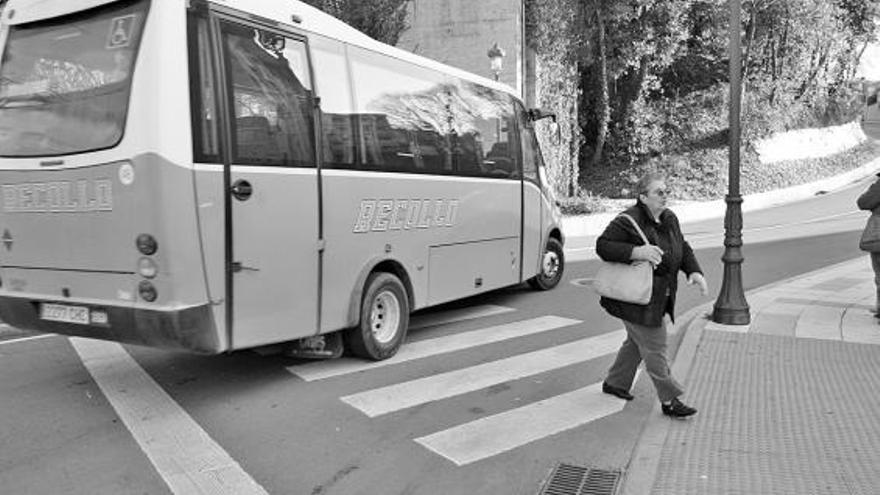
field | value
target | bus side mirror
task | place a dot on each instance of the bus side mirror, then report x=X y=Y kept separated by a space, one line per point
x=536 y=114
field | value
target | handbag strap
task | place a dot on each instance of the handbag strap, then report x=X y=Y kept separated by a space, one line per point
x=636 y=225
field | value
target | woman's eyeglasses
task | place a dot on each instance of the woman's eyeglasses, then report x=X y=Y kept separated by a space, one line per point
x=660 y=192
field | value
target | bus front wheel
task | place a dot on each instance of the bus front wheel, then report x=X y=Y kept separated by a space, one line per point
x=384 y=319
x=552 y=265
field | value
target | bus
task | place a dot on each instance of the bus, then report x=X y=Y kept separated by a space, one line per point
x=222 y=175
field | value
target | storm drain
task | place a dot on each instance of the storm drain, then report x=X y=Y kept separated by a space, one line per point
x=567 y=479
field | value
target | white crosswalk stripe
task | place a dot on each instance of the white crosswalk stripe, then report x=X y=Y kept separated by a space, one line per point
x=493 y=435
x=436 y=387
x=420 y=321
x=320 y=370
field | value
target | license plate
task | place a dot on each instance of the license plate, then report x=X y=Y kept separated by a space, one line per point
x=65 y=313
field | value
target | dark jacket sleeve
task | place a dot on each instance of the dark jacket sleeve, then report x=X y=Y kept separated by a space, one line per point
x=689 y=263
x=870 y=199
x=617 y=241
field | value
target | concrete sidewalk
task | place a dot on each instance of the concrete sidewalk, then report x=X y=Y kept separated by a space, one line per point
x=789 y=404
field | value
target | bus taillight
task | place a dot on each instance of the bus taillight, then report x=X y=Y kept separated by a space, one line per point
x=147 y=244
x=147 y=291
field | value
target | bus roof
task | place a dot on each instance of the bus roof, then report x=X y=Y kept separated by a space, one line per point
x=310 y=19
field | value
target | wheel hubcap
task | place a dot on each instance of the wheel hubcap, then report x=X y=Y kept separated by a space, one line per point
x=550 y=264
x=385 y=317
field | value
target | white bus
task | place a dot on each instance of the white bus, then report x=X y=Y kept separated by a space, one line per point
x=224 y=175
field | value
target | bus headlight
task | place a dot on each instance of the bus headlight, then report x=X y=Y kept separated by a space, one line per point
x=147 y=244
x=147 y=267
x=147 y=291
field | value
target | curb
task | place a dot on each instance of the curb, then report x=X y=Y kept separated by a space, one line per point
x=641 y=471
x=639 y=475
x=693 y=211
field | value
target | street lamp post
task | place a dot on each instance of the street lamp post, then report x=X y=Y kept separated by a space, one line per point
x=496 y=61
x=731 y=307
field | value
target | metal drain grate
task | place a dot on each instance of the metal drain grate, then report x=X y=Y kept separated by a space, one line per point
x=567 y=479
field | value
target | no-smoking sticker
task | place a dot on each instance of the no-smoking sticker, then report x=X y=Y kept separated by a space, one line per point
x=121 y=29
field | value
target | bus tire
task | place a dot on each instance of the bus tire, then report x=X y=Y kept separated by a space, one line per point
x=552 y=266
x=384 y=318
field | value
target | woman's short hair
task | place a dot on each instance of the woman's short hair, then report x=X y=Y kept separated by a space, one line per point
x=645 y=181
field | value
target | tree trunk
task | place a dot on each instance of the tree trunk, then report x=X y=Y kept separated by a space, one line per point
x=815 y=69
x=633 y=90
x=851 y=73
x=603 y=107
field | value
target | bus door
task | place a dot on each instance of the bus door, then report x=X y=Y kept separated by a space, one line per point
x=532 y=201
x=273 y=193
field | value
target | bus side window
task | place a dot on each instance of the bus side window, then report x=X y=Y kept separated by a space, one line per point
x=203 y=102
x=489 y=128
x=466 y=153
x=271 y=98
x=532 y=158
x=403 y=115
x=337 y=110
x=433 y=151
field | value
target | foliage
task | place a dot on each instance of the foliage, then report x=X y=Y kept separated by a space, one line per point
x=651 y=87
x=383 y=20
x=702 y=176
x=556 y=85
x=584 y=203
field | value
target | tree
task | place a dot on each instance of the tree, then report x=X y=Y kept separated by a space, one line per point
x=628 y=44
x=383 y=20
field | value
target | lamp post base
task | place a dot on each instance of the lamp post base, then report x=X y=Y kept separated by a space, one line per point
x=731 y=307
x=731 y=316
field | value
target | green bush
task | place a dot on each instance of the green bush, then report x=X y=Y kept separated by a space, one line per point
x=584 y=203
x=702 y=175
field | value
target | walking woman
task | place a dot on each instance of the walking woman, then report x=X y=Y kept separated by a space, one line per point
x=645 y=325
x=870 y=200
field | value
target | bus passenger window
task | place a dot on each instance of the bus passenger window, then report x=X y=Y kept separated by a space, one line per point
x=486 y=132
x=532 y=158
x=271 y=98
x=466 y=154
x=337 y=112
x=403 y=114
x=434 y=153
x=203 y=93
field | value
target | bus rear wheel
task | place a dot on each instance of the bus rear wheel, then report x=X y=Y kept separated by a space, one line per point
x=384 y=319
x=552 y=266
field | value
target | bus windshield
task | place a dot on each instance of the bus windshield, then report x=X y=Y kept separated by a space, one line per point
x=64 y=82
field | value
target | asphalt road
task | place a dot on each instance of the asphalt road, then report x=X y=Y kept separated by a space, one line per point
x=484 y=405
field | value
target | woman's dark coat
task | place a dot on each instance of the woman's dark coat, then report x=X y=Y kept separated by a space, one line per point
x=616 y=244
x=870 y=199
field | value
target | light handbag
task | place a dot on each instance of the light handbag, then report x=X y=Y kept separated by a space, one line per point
x=870 y=240
x=627 y=282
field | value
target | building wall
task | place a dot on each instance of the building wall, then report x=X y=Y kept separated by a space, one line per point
x=460 y=33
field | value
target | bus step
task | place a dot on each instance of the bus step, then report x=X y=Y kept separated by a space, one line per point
x=327 y=346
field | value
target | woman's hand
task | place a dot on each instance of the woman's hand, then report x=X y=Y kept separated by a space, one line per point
x=697 y=278
x=647 y=252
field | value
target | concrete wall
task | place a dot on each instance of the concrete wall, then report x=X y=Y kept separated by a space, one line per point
x=460 y=32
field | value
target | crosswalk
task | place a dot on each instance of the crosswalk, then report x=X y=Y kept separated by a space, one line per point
x=493 y=434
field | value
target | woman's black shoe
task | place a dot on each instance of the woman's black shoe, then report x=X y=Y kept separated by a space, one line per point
x=617 y=392
x=677 y=409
